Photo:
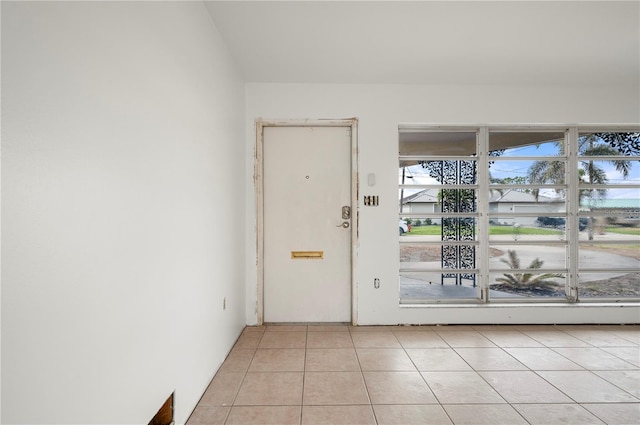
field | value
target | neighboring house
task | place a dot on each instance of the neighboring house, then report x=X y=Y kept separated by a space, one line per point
x=622 y=211
x=423 y=202
x=522 y=202
x=427 y=201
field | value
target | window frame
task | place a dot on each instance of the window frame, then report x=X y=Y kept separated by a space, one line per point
x=482 y=215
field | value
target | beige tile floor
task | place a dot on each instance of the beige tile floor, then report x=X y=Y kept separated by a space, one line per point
x=427 y=375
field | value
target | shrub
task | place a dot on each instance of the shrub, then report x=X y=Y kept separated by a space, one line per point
x=520 y=280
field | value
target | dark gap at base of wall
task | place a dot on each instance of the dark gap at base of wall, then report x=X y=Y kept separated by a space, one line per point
x=165 y=414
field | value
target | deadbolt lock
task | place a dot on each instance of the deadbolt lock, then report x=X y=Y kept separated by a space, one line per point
x=346 y=212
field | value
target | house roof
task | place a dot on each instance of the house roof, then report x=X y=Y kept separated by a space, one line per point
x=516 y=196
x=611 y=203
x=506 y=196
x=424 y=196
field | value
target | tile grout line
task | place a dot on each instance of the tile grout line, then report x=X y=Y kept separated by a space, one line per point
x=491 y=386
x=364 y=381
x=552 y=349
x=404 y=349
x=304 y=373
x=244 y=376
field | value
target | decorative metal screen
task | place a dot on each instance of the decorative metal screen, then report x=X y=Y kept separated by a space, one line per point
x=458 y=229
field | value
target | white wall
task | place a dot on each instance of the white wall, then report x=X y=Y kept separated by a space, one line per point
x=379 y=109
x=122 y=140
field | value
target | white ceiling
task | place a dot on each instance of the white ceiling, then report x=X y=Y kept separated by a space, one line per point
x=430 y=42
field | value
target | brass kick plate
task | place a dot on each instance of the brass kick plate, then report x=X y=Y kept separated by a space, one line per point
x=307 y=255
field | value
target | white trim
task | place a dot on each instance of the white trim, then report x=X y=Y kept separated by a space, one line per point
x=352 y=123
x=259 y=186
x=409 y=127
x=573 y=206
x=483 y=195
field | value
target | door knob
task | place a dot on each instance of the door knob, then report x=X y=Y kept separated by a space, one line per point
x=344 y=224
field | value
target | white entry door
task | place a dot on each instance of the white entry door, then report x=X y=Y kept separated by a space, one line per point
x=307 y=224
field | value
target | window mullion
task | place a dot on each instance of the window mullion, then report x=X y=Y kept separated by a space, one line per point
x=573 y=207
x=483 y=212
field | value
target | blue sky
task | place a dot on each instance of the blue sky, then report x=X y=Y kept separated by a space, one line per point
x=518 y=168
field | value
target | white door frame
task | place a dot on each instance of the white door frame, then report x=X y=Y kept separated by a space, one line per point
x=351 y=123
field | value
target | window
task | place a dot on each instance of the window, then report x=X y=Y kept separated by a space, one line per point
x=608 y=173
x=531 y=214
x=527 y=217
x=438 y=197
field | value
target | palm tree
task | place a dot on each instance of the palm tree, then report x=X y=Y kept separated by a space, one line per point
x=553 y=172
x=531 y=279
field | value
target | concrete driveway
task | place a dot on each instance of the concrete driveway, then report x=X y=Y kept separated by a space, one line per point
x=427 y=285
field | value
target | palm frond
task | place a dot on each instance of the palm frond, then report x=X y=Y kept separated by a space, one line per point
x=520 y=280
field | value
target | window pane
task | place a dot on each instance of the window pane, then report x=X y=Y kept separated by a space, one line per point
x=417 y=176
x=432 y=230
x=521 y=144
x=421 y=256
x=530 y=172
x=529 y=228
x=611 y=227
x=418 y=287
x=420 y=202
x=459 y=229
x=611 y=224
x=610 y=256
x=609 y=285
x=616 y=171
x=423 y=226
x=527 y=271
x=437 y=143
x=533 y=258
x=431 y=201
x=610 y=200
x=421 y=172
x=512 y=164
x=512 y=285
x=608 y=144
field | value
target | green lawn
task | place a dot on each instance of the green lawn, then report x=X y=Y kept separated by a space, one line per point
x=624 y=230
x=510 y=230
x=493 y=230
x=424 y=230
